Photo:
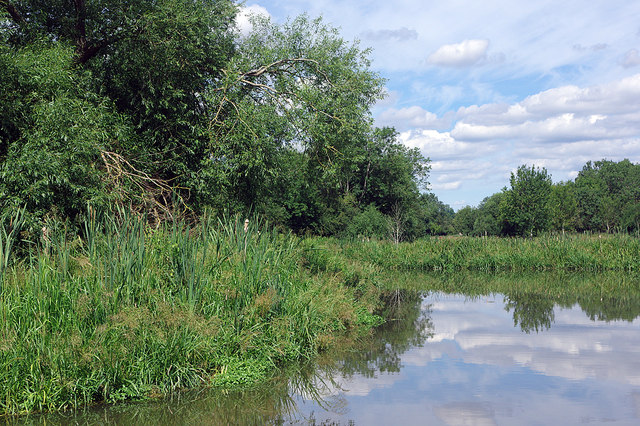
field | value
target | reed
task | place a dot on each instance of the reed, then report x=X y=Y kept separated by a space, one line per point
x=619 y=252
x=126 y=310
x=10 y=226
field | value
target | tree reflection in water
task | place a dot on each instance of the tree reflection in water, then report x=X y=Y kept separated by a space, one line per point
x=532 y=312
x=408 y=325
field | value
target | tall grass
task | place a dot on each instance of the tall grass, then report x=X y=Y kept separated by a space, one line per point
x=10 y=226
x=545 y=253
x=126 y=310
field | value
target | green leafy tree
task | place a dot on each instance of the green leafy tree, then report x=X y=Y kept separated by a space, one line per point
x=604 y=189
x=292 y=86
x=464 y=220
x=437 y=216
x=563 y=207
x=169 y=99
x=487 y=220
x=53 y=135
x=631 y=217
x=525 y=206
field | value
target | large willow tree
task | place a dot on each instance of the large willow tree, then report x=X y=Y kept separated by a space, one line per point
x=160 y=104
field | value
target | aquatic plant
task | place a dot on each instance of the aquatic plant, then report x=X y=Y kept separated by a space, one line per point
x=126 y=310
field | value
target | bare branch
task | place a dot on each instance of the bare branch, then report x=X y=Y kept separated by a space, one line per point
x=267 y=68
x=155 y=193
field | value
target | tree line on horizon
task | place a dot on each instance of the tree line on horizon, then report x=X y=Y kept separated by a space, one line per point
x=604 y=197
x=166 y=109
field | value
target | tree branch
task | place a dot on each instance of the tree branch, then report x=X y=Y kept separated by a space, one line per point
x=13 y=12
x=266 y=68
x=81 y=33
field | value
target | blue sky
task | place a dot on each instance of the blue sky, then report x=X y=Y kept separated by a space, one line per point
x=481 y=87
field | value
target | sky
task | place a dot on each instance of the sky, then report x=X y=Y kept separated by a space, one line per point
x=482 y=87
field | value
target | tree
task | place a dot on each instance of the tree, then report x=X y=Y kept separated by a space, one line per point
x=53 y=135
x=464 y=220
x=563 y=206
x=525 y=206
x=438 y=217
x=171 y=103
x=487 y=220
x=604 y=189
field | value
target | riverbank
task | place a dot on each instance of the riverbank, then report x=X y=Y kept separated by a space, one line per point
x=616 y=252
x=129 y=311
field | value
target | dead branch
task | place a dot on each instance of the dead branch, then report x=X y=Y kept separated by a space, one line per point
x=156 y=194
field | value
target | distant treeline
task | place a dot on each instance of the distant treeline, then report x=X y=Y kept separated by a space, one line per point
x=604 y=197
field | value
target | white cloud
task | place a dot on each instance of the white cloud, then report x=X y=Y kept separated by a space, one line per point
x=560 y=129
x=401 y=34
x=411 y=117
x=243 y=18
x=441 y=145
x=605 y=112
x=631 y=59
x=462 y=54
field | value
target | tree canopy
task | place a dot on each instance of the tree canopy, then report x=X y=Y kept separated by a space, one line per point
x=167 y=108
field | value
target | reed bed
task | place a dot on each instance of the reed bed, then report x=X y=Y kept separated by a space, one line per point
x=619 y=252
x=125 y=310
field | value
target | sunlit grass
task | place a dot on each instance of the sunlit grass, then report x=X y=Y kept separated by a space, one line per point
x=126 y=310
x=546 y=253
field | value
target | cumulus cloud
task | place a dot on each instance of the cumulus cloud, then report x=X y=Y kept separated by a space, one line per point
x=411 y=117
x=401 y=34
x=243 y=18
x=464 y=54
x=560 y=129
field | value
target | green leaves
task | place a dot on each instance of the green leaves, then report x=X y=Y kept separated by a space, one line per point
x=525 y=207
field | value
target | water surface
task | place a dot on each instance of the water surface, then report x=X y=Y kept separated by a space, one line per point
x=481 y=364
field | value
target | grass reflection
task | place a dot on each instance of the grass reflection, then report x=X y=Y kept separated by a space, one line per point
x=531 y=297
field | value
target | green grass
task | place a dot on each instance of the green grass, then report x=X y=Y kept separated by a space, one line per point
x=128 y=311
x=547 y=253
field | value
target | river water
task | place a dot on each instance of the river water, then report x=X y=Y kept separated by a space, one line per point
x=447 y=359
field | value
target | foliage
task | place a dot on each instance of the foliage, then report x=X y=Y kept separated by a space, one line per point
x=53 y=135
x=464 y=220
x=167 y=108
x=603 y=197
x=525 y=206
x=605 y=190
x=488 y=221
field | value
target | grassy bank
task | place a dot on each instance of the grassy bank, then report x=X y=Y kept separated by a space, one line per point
x=547 y=253
x=128 y=311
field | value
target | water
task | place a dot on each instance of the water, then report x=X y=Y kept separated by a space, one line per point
x=478 y=367
x=444 y=359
